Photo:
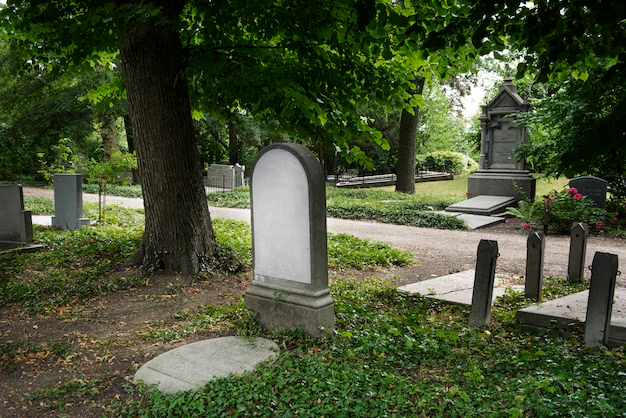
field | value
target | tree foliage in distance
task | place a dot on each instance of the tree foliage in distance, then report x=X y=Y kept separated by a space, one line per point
x=578 y=129
x=37 y=108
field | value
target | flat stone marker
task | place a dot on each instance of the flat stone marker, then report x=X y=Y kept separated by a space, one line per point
x=457 y=288
x=480 y=313
x=68 y=202
x=16 y=228
x=600 y=303
x=475 y=221
x=535 y=246
x=577 y=252
x=483 y=205
x=191 y=366
x=594 y=188
x=288 y=200
x=569 y=312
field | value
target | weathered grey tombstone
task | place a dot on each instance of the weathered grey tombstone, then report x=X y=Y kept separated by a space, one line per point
x=535 y=246
x=500 y=173
x=68 y=202
x=577 y=252
x=288 y=199
x=600 y=301
x=16 y=226
x=480 y=313
x=593 y=187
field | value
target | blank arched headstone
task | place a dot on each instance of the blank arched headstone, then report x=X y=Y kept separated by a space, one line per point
x=288 y=199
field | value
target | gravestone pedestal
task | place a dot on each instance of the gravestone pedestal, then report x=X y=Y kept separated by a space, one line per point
x=510 y=183
x=16 y=228
x=68 y=202
x=288 y=199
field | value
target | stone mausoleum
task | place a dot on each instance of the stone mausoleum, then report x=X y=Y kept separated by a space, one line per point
x=500 y=173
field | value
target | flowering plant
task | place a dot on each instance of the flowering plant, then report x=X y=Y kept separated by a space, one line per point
x=564 y=208
x=559 y=210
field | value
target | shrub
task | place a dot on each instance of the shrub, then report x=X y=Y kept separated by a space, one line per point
x=568 y=206
x=446 y=161
x=559 y=210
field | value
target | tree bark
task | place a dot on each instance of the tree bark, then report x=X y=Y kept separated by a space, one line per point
x=130 y=138
x=405 y=170
x=110 y=138
x=178 y=233
x=233 y=144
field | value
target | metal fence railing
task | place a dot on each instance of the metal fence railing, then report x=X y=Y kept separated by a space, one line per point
x=421 y=170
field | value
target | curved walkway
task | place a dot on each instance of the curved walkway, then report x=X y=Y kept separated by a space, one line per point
x=442 y=251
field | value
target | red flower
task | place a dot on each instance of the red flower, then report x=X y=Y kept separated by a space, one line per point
x=600 y=225
x=577 y=196
x=572 y=190
x=526 y=226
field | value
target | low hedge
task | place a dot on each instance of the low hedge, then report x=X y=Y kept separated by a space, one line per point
x=446 y=161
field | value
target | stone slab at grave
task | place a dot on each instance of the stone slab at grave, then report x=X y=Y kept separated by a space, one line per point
x=483 y=205
x=16 y=228
x=68 y=202
x=288 y=200
x=594 y=188
x=500 y=173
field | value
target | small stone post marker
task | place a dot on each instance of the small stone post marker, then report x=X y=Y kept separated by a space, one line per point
x=577 y=252
x=483 y=283
x=68 y=202
x=600 y=302
x=535 y=246
x=288 y=199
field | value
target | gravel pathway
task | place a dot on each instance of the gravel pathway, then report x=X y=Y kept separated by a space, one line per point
x=439 y=251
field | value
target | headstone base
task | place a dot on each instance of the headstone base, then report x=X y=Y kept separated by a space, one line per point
x=515 y=183
x=280 y=310
x=79 y=224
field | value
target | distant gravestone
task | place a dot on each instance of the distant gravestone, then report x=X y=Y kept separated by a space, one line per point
x=68 y=202
x=288 y=199
x=594 y=188
x=16 y=227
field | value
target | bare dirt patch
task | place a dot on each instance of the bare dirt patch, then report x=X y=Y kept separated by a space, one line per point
x=94 y=348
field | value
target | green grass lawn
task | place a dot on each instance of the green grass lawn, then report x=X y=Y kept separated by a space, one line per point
x=458 y=186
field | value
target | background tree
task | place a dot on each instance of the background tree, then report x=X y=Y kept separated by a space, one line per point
x=37 y=108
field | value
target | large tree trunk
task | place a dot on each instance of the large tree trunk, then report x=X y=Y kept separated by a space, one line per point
x=405 y=170
x=178 y=234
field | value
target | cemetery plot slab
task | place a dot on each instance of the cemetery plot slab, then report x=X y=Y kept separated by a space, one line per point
x=483 y=205
x=457 y=288
x=191 y=366
x=569 y=313
x=475 y=221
